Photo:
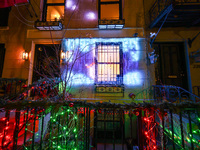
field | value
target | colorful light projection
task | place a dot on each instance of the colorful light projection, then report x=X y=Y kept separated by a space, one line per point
x=84 y=72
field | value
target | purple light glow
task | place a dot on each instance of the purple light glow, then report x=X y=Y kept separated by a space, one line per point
x=70 y=5
x=90 y=16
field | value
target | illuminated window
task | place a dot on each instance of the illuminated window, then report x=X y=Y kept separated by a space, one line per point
x=53 y=10
x=108 y=63
x=110 y=9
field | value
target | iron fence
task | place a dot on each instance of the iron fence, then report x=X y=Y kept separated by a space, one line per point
x=98 y=126
x=10 y=87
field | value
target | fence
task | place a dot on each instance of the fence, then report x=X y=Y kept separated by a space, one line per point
x=83 y=126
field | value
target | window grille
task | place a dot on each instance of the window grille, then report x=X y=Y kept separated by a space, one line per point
x=109 y=63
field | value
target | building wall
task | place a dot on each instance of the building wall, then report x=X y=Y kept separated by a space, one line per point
x=14 y=38
x=85 y=13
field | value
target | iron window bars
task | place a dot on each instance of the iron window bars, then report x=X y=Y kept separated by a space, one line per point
x=109 y=66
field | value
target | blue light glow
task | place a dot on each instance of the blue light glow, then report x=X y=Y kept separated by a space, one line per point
x=81 y=79
x=133 y=78
x=84 y=71
x=86 y=44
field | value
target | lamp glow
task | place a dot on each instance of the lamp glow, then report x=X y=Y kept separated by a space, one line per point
x=63 y=55
x=25 y=56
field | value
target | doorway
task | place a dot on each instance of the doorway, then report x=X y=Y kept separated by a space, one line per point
x=46 y=61
x=171 y=68
x=2 y=56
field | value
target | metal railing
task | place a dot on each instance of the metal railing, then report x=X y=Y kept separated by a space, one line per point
x=160 y=5
x=169 y=93
x=50 y=123
x=84 y=126
x=10 y=87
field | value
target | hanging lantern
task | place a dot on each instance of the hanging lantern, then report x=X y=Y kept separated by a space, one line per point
x=99 y=111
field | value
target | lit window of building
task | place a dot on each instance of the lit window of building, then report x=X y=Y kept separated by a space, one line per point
x=53 y=10
x=110 y=9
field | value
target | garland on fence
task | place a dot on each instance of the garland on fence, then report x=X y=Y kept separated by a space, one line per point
x=54 y=101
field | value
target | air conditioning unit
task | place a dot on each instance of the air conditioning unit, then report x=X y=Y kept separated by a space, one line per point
x=48 y=25
x=111 y=24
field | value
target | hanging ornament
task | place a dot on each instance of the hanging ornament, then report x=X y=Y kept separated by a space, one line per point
x=136 y=112
x=99 y=111
x=132 y=95
x=165 y=113
x=71 y=105
x=24 y=86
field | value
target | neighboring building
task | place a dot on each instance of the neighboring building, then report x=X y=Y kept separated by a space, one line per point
x=177 y=43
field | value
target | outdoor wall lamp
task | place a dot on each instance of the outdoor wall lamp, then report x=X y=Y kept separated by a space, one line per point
x=63 y=55
x=25 y=56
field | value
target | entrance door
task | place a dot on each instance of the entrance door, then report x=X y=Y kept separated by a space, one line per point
x=171 y=64
x=46 y=61
x=2 y=55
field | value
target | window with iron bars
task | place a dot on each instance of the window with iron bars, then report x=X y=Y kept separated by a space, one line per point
x=109 y=66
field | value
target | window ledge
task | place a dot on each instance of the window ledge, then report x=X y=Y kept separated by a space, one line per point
x=4 y=28
x=109 y=89
x=111 y=24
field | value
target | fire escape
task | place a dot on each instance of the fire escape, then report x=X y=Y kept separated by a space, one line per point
x=181 y=13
